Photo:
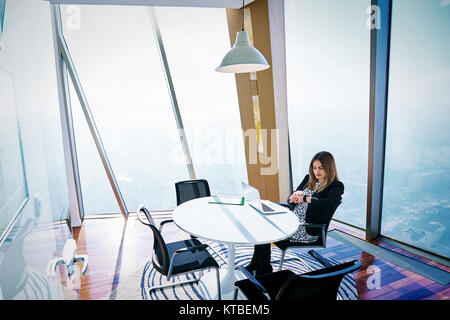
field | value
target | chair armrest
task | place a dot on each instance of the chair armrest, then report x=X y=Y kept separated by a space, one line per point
x=187 y=249
x=141 y=220
x=315 y=225
x=253 y=280
x=320 y=258
x=163 y=223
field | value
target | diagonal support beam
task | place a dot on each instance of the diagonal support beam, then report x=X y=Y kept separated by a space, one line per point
x=173 y=96
x=68 y=63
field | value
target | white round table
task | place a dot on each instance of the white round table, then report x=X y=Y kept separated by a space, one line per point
x=232 y=225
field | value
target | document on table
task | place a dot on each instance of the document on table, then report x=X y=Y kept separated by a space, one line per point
x=230 y=200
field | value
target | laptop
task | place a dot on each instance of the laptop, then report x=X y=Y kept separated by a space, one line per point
x=253 y=199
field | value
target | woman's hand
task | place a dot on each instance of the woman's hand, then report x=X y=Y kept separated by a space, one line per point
x=296 y=197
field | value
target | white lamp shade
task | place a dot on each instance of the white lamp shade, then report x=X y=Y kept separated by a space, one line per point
x=243 y=57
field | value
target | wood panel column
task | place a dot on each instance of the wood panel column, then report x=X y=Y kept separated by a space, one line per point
x=256 y=94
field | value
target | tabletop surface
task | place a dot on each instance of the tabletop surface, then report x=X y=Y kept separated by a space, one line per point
x=234 y=224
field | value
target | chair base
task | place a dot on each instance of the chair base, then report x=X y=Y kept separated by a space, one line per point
x=285 y=260
x=173 y=284
x=282 y=259
x=208 y=287
x=195 y=280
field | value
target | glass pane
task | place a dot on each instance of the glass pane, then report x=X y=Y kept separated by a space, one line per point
x=327 y=52
x=116 y=58
x=31 y=157
x=207 y=99
x=416 y=204
x=97 y=193
x=13 y=187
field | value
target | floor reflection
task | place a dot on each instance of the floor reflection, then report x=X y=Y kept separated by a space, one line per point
x=23 y=259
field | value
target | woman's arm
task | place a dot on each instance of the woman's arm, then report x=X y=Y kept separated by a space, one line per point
x=299 y=188
x=331 y=200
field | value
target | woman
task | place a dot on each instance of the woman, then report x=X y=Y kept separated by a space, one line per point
x=314 y=201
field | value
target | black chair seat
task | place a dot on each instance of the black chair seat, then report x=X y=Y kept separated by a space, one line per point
x=283 y=245
x=192 y=260
x=270 y=281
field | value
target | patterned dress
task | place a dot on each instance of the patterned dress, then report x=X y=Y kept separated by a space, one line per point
x=300 y=211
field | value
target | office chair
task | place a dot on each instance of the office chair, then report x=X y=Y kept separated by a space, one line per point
x=180 y=257
x=320 y=230
x=191 y=189
x=285 y=285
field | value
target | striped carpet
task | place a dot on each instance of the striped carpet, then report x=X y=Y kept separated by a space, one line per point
x=136 y=287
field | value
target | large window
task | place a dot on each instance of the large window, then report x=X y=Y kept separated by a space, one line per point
x=416 y=204
x=115 y=54
x=13 y=186
x=328 y=49
x=207 y=99
x=117 y=59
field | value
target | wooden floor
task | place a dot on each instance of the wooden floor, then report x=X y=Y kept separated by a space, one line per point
x=117 y=247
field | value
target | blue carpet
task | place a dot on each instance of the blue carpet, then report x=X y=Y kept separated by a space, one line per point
x=150 y=277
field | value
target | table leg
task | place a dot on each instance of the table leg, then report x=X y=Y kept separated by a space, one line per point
x=228 y=276
x=227 y=282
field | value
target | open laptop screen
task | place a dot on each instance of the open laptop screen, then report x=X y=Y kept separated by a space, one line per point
x=250 y=193
x=252 y=197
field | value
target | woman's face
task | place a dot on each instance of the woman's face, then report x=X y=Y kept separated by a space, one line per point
x=318 y=170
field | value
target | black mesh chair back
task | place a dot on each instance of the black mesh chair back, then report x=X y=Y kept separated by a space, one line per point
x=316 y=232
x=320 y=284
x=285 y=285
x=191 y=189
x=161 y=254
x=332 y=214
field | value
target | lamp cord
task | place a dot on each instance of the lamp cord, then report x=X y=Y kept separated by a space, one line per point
x=242 y=15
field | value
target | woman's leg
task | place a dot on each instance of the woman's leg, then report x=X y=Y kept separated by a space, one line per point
x=260 y=262
x=283 y=243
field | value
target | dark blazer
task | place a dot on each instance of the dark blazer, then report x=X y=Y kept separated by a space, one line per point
x=323 y=203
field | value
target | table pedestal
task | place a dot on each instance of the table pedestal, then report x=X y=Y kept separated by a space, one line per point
x=228 y=276
x=231 y=225
x=227 y=283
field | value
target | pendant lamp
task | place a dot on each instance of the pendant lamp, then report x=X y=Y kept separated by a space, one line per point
x=243 y=57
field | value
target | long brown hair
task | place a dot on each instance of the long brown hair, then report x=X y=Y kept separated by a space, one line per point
x=329 y=166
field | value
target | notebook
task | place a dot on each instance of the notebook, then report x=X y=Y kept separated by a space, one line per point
x=230 y=200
